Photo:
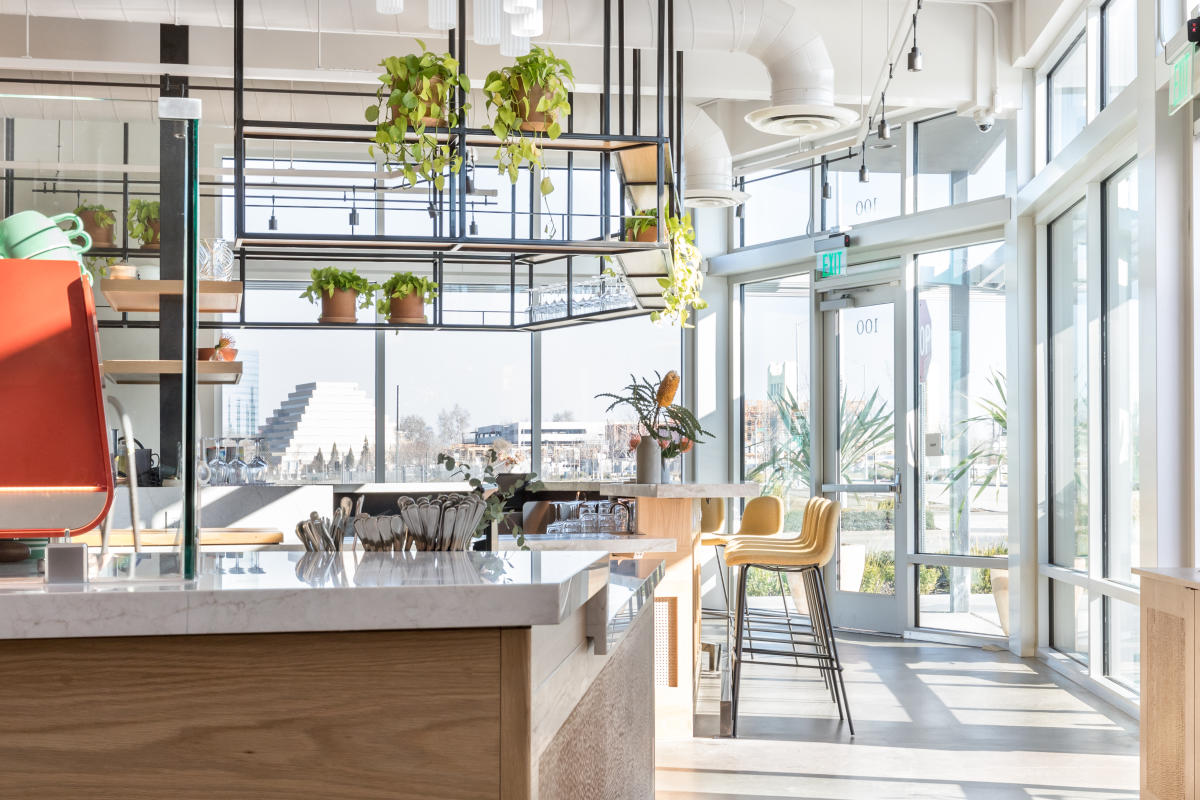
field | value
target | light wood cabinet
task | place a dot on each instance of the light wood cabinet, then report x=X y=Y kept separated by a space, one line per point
x=1169 y=712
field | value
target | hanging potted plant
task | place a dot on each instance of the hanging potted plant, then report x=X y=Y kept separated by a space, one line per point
x=340 y=292
x=415 y=95
x=666 y=429
x=642 y=226
x=98 y=221
x=681 y=290
x=530 y=96
x=403 y=298
x=143 y=222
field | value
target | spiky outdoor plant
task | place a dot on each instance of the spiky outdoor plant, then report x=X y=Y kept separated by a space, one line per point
x=863 y=428
x=994 y=451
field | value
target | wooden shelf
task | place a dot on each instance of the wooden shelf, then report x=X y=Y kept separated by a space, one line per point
x=638 y=168
x=150 y=371
x=216 y=297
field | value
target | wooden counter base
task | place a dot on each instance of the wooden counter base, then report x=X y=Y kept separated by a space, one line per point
x=388 y=714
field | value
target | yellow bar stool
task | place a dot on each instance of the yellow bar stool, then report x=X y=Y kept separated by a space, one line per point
x=762 y=516
x=805 y=554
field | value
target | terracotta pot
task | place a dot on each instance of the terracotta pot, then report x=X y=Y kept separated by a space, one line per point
x=154 y=230
x=647 y=235
x=341 y=307
x=227 y=354
x=102 y=235
x=436 y=92
x=206 y=353
x=122 y=272
x=407 y=309
x=537 y=120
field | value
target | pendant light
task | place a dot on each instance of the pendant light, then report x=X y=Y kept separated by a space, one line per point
x=353 y=208
x=389 y=6
x=529 y=24
x=488 y=21
x=884 y=133
x=442 y=14
x=511 y=45
x=864 y=174
x=272 y=223
x=826 y=190
x=914 y=55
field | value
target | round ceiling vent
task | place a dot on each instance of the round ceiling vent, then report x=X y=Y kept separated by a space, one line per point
x=802 y=121
x=713 y=198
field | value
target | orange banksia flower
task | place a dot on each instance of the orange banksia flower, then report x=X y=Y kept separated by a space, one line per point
x=667 y=389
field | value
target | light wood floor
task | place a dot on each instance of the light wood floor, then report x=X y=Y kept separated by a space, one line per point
x=934 y=721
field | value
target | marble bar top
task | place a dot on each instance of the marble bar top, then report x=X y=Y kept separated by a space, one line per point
x=278 y=591
x=1184 y=576
x=610 y=542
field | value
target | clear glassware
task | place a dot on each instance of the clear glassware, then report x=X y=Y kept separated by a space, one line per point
x=258 y=467
x=236 y=475
x=218 y=266
x=606 y=522
x=218 y=472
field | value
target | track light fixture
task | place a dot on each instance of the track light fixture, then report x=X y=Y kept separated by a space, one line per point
x=353 y=210
x=864 y=174
x=827 y=190
x=473 y=229
x=431 y=211
x=914 y=55
x=272 y=223
x=884 y=132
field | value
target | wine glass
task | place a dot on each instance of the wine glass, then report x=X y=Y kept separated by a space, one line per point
x=218 y=472
x=235 y=464
x=256 y=470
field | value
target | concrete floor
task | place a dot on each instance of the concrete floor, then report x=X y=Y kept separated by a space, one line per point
x=933 y=721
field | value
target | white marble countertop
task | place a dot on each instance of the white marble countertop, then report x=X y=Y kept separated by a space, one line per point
x=267 y=592
x=678 y=490
x=609 y=542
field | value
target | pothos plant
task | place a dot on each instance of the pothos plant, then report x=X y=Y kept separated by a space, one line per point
x=415 y=95
x=328 y=280
x=401 y=285
x=530 y=95
x=681 y=290
x=639 y=222
x=141 y=214
x=488 y=485
x=103 y=215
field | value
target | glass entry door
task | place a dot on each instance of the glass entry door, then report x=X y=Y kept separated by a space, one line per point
x=863 y=454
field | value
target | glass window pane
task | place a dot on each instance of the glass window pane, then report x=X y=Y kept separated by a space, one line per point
x=962 y=390
x=1119 y=20
x=780 y=206
x=866 y=556
x=1069 y=452
x=963 y=599
x=1069 y=620
x=454 y=392
x=580 y=439
x=958 y=163
x=1122 y=643
x=1066 y=88
x=855 y=202
x=1123 y=481
x=775 y=391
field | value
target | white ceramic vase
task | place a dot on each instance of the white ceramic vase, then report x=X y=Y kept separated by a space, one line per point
x=649 y=461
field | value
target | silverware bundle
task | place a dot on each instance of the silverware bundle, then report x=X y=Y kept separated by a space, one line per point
x=321 y=534
x=445 y=522
x=381 y=534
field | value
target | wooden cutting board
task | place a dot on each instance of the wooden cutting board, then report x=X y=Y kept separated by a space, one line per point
x=157 y=537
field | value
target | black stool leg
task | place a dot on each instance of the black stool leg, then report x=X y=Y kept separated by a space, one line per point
x=837 y=661
x=826 y=626
x=737 y=662
x=817 y=628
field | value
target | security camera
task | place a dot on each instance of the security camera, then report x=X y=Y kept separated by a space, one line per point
x=984 y=120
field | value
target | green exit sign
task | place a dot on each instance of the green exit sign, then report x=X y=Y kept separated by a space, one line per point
x=1180 y=90
x=833 y=263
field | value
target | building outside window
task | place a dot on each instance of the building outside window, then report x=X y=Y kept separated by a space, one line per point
x=1066 y=93
x=1118 y=24
x=956 y=163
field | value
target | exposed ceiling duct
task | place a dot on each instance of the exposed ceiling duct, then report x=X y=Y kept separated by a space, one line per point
x=707 y=162
x=773 y=31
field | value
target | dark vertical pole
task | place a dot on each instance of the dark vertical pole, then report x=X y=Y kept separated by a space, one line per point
x=621 y=66
x=606 y=128
x=671 y=118
x=452 y=45
x=239 y=119
x=190 y=519
x=570 y=285
x=174 y=197
x=660 y=56
x=570 y=222
x=124 y=192
x=10 y=148
x=460 y=144
x=679 y=176
x=824 y=180
x=512 y=290
x=636 y=104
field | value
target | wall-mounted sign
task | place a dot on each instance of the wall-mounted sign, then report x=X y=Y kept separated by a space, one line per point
x=1179 y=91
x=833 y=263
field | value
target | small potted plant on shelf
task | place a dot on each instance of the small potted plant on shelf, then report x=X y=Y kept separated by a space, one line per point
x=642 y=226
x=681 y=290
x=403 y=298
x=666 y=429
x=415 y=95
x=143 y=222
x=223 y=350
x=340 y=292
x=529 y=96
x=101 y=266
x=98 y=221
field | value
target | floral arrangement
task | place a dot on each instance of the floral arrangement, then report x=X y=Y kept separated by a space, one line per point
x=488 y=485
x=673 y=427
